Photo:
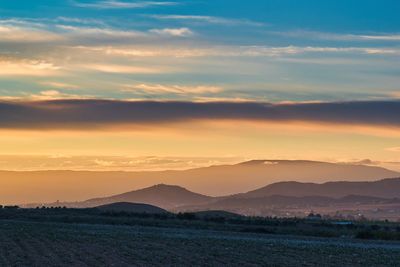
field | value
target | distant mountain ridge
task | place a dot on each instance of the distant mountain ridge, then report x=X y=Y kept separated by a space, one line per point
x=214 y=180
x=277 y=202
x=279 y=195
x=387 y=188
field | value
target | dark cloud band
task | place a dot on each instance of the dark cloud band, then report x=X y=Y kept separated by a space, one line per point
x=70 y=114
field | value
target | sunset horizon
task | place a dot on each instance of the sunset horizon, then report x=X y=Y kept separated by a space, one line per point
x=199 y=133
x=199 y=79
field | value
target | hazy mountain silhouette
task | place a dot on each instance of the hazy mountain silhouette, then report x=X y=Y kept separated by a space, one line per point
x=278 y=195
x=132 y=208
x=278 y=201
x=44 y=186
x=163 y=196
x=379 y=199
x=387 y=188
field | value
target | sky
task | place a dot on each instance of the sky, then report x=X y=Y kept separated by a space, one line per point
x=112 y=84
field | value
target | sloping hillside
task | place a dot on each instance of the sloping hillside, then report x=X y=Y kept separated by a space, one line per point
x=387 y=188
x=164 y=196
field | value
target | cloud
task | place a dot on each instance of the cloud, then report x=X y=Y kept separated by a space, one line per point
x=232 y=51
x=25 y=31
x=394 y=94
x=59 y=85
x=47 y=95
x=134 y=51
x=99 y=163
x=392 y=37
x=99 y=32
x=338 y=36
x=113 y=4
x=393 y=149
x=69 y=31
x=12 y=33
x=42 y=96
x=84 y=21
x=170 y=89
x=88 y=114
x=208 y=19
x=51 y=94
x=295 y=50
x=127 y=69
x=178 y=32
x=25 y=67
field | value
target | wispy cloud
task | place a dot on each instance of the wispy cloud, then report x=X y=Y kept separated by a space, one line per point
x=392 y=37
x=98 y=163
x=69 y=31
x=177 y=32
x=142 y=51
x=59 y=85
x=232 y=51
x=113 y=4
x=170 y=89
x=20 y=31
x=25 y=67
x=121 y=69
x=52 y=95
x=208 y=19
x=99 y=32
x=393 y=149
x=10 y=32
x=44 y=95
x=340 y=36
x=84 y=21
x=294 y=50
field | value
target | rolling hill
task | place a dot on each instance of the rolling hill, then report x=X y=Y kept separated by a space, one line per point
x=387 y=188
x=163 y=196
x=278 y=202
x=272 y=199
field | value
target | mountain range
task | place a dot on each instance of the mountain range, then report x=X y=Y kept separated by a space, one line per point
x=387 y=188
x=47 y=186
x=274 y=199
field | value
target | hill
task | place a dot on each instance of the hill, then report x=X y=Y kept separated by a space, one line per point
x=387 y=188
x=132 y=208
x=44 y=186
x=164 y=196
x=378 y=200
x=257 y=204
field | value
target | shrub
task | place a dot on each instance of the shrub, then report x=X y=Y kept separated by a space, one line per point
x=365 y=235
x=258 y=230
x=11 y=207
x=186 y=216
x=375 y=227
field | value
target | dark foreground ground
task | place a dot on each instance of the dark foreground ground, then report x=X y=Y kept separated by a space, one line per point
x=59 y=244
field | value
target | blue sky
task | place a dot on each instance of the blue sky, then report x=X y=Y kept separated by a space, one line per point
x=220 y=78
x=273 y=51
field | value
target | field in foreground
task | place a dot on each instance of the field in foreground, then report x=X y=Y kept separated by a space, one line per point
x=59 y=244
